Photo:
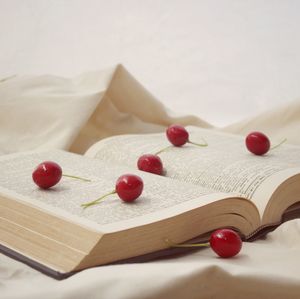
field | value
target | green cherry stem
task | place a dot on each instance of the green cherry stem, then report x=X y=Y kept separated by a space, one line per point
x=95 y=202
x=277 y=145
x=76 y=177
x=162 y=150
x=194 y=143
x=199 y=144
x=171 y=244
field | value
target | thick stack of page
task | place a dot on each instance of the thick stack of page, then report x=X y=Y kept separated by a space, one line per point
x=221 y=185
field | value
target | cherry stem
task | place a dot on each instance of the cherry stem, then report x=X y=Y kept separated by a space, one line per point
x=198 y=144
x=76 y=177
x=277 y=145
x=171 y=244
x=162 y=150
x=95 y=202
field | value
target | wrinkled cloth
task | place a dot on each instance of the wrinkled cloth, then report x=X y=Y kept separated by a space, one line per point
x=72 y=114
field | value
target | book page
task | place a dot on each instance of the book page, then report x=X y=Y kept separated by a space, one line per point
x=224 y=165
x=159 y=193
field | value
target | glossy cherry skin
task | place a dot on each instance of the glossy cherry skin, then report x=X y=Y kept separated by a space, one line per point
x=129 y=187
x=177 y=135
x=257 y=143
x=47 y=174
x=225 y=242
x=150 y=163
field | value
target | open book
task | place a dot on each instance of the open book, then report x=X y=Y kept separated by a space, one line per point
x=221 y=185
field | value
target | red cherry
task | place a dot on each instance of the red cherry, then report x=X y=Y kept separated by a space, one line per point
x=47 y=174
x=257 y=143
x=177 y=135
x=129 y=187
x=150 y=163
x=225 y=242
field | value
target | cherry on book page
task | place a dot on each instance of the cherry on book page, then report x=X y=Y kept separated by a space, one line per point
x=179 y=136
x=259 y=144
x=128 y=187
x=150 y=163
x=48 y=173
x=224 y=242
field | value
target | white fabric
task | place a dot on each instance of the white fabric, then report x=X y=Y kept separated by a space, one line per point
x=49 y=111
x=223 y=60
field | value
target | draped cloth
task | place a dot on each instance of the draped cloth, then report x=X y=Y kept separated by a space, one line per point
x=52 y=112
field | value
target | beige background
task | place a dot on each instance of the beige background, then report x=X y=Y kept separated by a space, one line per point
x=223 y=60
